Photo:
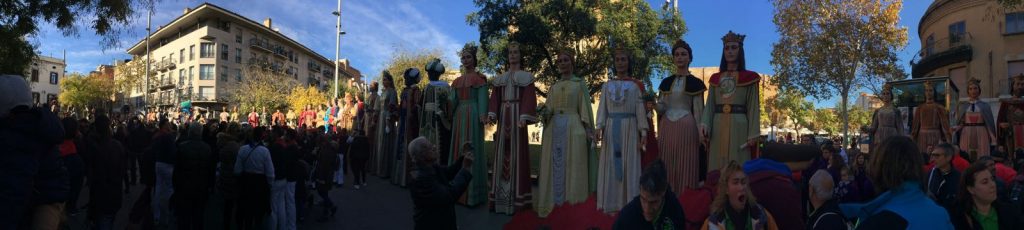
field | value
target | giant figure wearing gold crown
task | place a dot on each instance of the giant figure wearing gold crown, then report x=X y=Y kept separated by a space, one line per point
x=931 y=121
x=975 y=123
x=1011 y=118
x=731 y=117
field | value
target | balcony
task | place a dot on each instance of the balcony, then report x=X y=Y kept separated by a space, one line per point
x=314 y=66
x=164 y=65
x=166 y=83
x=941 y=53
x=260 y=44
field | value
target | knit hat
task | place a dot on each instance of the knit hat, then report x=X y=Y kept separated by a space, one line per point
x=14 y=92
x=412 y=76
x=434 y=67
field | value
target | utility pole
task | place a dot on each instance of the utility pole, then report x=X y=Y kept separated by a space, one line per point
x=337 y=48
x=149 y=21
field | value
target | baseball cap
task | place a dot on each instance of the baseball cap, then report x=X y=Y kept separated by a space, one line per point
x=14 y=92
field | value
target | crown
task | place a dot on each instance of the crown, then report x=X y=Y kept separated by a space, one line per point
x=469 y=48
x=1019 y=77
x=928 y=84
x=733 y=37
x=973 y=81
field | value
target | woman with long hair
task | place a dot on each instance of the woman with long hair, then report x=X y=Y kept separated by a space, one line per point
x=734 y=206
x=976 y=206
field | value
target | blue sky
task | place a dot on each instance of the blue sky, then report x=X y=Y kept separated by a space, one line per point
x=377 y=27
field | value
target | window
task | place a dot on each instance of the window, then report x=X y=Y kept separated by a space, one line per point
x=238 y=75
x=206 y=50
x=205 y=72
x=170 y=77
x=238 y=35
x=1015 y=68
x=223 y=52
x=192 y=52
x=35 y=97
x=181 y=56
x=223 y=73
x=957 y=31
x=181 y=76
x=205 y=93
x=929 y=46
x=53 y=78
x=1015 y=23
x=35 y=75
x=238 y=55
x=172 y=57
x=51 y=97
x=191 y=72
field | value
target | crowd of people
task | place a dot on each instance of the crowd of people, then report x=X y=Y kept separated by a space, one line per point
x=705 y=168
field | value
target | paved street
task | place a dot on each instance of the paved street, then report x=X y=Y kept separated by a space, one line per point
x=380 y=205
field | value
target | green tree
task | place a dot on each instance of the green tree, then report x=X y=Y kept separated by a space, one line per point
x=402 y=59
x=835 y=46
x=300 y=97
x=21 y=20
x=859 y=117
x=79 y=91
x=129 y=75
x=827 y=120
x=263 y=87
x=589 y=28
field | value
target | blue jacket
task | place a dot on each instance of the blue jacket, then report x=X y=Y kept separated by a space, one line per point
x=909 y=202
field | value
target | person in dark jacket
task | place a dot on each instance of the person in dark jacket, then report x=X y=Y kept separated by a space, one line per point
x=771 y=180
x=359 y=151
x=943 y=178
x=434 y=189
x=106 y=173
x=138 y=140
x=327 y=164
x=977 y=206
x=895 y=169
x=193 y=178
x=656 y=207
x=162 y=151
x=825 y=214
x=227 y=183
x=73 y=162
x=25 y=135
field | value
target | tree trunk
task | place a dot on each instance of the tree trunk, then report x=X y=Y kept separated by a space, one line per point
x=846 y=116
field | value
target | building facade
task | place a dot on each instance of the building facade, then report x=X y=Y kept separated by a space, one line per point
x=868 y=102
x=43 y=77
x=204 y=54
x=964 y=39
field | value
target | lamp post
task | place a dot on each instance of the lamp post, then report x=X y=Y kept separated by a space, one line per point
x=337 y=48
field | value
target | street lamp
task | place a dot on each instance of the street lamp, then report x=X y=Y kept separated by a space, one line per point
x=337 y=48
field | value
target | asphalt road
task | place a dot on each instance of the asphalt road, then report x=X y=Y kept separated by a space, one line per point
x=379 y=205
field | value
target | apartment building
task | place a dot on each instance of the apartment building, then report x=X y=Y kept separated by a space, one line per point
x=202 y=56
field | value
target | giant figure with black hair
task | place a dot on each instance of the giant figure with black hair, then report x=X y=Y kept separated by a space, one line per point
x=730 y=123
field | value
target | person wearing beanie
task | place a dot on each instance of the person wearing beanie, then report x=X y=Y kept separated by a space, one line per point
x=435 y=122
x=408 y=123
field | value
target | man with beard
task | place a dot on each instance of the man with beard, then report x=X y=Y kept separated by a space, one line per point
x=1011 y=118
